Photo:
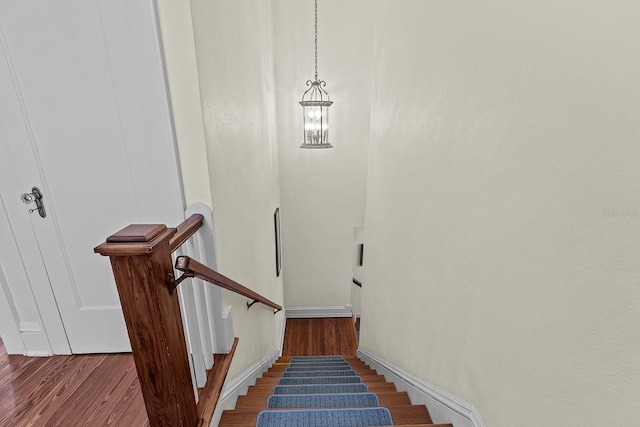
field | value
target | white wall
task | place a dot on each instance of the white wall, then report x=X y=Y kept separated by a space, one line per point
x=503 y=205
x=323 y=191
x=179 y=50
x=233 y=41
x=218 y=59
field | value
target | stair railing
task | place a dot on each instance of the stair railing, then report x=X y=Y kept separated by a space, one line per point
x=193 y=268
x=142 y=264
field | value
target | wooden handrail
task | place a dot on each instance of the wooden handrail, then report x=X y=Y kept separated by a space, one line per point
x=193 y=268
x=357 y=282
x=185 y=230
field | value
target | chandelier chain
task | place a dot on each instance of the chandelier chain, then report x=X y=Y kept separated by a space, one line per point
x=316 y=38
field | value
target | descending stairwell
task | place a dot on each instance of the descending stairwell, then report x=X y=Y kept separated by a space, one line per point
x=324 y=391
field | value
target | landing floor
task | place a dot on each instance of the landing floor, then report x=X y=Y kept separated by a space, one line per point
x=310 y=337
x=103 y=389
x=85 y=390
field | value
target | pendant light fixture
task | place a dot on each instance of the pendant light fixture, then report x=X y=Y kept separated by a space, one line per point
x=315 y=106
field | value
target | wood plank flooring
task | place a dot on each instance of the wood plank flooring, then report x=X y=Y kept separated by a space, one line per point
x=103 y=389
x=85 y=390
x=311 y=337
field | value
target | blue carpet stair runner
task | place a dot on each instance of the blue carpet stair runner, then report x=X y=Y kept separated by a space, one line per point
x=321 y=389
x=317 y=373
x=331 y=400
x=351 y=417
x=326 y=382
x=324 y=391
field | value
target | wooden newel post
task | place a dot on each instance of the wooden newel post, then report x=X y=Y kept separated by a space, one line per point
x=141 y=260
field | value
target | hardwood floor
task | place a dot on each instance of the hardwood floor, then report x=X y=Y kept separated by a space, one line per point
x=103 y=389
x=86 y=390
x=310 y=337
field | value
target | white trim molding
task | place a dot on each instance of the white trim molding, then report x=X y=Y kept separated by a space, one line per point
x=35 y=340
x=32 y=327
x=240 y=385
x=284 y=326
x=443 y=406
x=312 y=312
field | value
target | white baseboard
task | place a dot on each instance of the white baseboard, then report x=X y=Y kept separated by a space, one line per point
x=38 y=354
x=240 y=385
x=310 y=312
x=443 y=406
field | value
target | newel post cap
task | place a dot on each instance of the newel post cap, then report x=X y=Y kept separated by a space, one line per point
x=135 y=239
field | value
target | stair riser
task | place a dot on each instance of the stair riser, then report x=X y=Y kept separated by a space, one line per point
x=267 y=390
x=401 y=415
x=297 y=365
x=319 y=374
x=369 y=375
x=274 y=380
x=283 y=366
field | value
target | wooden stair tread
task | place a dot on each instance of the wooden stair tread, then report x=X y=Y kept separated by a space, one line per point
x=393 y=398
x=409 y=414
x=401 y=415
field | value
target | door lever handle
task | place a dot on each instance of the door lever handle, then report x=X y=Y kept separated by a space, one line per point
x=34 y=196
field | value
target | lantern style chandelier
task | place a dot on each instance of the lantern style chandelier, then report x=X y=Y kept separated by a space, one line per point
x=315 y=106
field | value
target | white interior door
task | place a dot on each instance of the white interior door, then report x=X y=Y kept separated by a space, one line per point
x=29 y=318
x=85 y=117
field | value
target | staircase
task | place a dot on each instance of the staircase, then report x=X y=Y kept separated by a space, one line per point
x=324 y=391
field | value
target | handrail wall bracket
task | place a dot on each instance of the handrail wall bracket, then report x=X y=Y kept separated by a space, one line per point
x=172 y=282
x=250 y=304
